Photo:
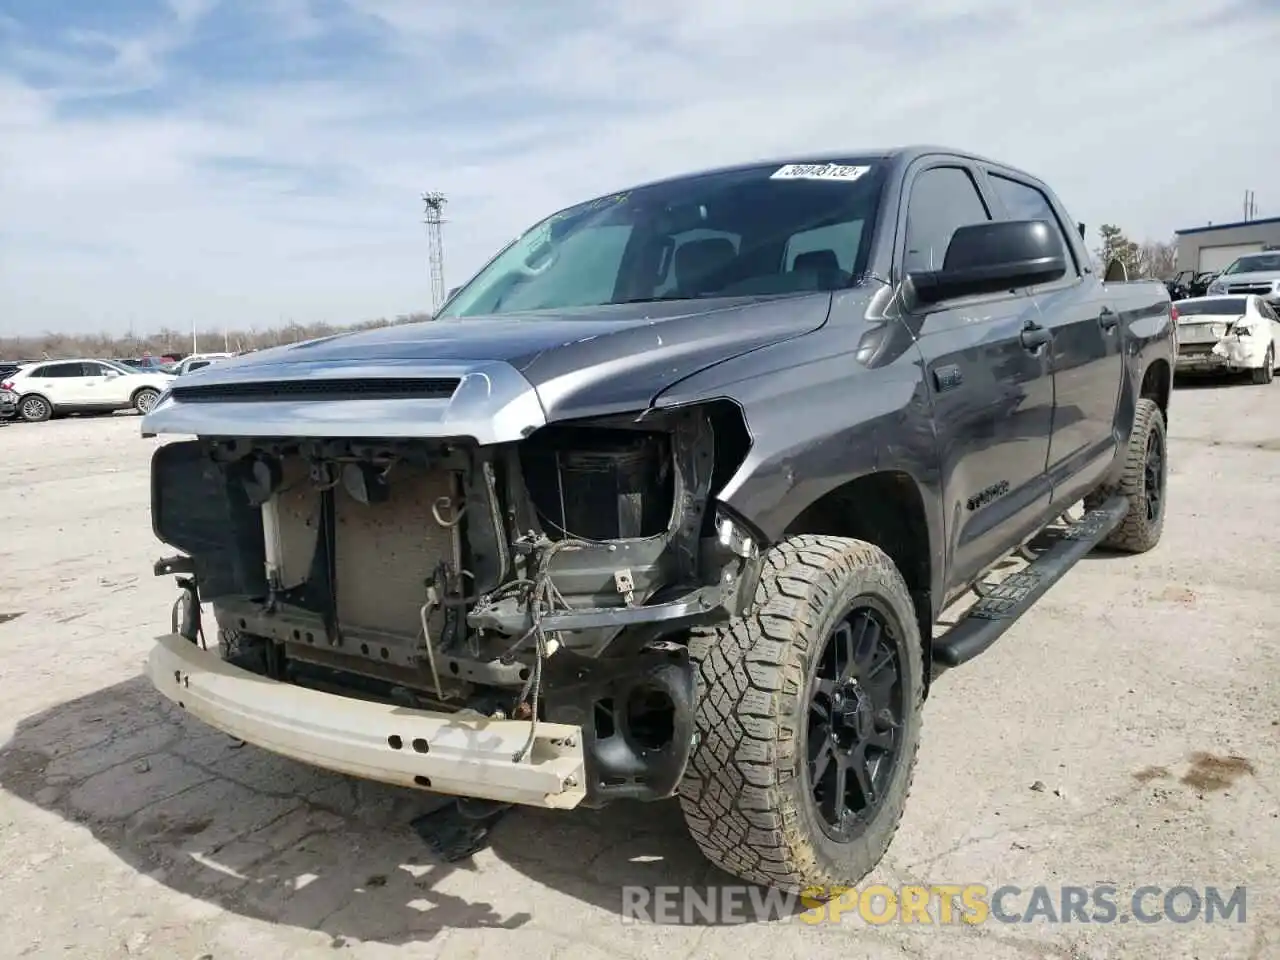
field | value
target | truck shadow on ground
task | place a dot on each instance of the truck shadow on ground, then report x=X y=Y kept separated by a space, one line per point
x=266 y=838
x=1209 y=381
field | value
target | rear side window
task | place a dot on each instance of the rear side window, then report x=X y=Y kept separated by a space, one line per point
x=59 y=370
x=943 y=199
x=1025 y=202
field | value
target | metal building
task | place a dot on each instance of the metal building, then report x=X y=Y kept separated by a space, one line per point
x=1212 y=248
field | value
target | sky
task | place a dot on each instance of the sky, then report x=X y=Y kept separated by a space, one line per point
x=252 y=162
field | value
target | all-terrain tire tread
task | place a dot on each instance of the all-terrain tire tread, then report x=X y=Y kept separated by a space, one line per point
x=750 y=674
x=1135 y=534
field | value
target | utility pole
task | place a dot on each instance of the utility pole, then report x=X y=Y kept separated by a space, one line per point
x=434 y=219
x=1250 y=205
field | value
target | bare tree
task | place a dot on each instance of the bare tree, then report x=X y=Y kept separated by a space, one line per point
x=1157 y=260
x=1151 y=260
x=167 y=341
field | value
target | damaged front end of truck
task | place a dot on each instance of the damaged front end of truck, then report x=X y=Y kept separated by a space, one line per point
x=417 y=579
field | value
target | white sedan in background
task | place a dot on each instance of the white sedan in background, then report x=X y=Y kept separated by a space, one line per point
x=198 y=361
x=50 y=387
x=1228 y=334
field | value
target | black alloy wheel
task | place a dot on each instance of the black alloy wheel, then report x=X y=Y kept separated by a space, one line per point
x=855 y=713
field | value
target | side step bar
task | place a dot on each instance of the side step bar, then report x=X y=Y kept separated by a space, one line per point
x=1000 y=606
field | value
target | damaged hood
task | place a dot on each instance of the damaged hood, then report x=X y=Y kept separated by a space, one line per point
x=582 y=362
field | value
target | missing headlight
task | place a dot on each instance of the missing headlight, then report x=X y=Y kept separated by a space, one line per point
x=600 y=484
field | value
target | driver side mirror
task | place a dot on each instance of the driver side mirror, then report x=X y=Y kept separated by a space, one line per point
x=993 y=257
x=111 y=374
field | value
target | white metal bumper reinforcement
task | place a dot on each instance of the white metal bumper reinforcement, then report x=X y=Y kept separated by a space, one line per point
x=461 y=755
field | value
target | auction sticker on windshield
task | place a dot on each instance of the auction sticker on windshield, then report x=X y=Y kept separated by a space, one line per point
x=818 y=171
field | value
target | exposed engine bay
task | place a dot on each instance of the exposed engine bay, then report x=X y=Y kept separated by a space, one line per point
x=554 y=578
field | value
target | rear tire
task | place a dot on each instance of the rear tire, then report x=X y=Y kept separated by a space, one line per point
x=1267 y=372
x=1144 y=482
x=35 y=409
x=772 y=713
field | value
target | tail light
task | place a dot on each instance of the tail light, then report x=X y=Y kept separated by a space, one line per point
x=1173 y=313
x=6 y=385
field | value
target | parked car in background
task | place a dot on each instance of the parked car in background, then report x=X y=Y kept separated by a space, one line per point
x=198 y=360
x=1200 y=283
x=1186 y=284
x=1254 y=273
x=149 y=362
x=8 y=399
x=1179 y=285
x=1228 y=335
x=53 y=387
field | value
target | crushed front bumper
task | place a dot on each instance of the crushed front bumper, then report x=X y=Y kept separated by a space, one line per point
x=460 y=755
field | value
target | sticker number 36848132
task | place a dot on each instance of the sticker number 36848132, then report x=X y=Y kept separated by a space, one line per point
x=818 y=171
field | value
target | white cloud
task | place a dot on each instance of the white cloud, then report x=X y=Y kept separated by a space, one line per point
x=246 y=196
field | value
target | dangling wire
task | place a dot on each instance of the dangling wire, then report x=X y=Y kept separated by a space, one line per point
x=543 y=598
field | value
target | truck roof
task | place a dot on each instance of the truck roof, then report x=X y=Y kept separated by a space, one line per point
x=902 y=154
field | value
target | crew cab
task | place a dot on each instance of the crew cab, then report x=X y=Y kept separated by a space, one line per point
x=53 y=387
x=668 y=499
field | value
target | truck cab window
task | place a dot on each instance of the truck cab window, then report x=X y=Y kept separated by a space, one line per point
x=1025 y=202
x=943 y=199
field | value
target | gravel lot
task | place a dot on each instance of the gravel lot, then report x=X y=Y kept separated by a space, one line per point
x=1128 y=731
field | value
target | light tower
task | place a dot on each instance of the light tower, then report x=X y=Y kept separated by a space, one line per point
x=434 y=219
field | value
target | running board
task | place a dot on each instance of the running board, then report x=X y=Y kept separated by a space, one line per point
x=1001 y=605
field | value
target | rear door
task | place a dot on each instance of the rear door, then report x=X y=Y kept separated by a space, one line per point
x=993 y=396
x=58 y=382
x=1085 y=352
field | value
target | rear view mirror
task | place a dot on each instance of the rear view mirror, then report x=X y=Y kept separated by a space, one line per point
x=112 y=374
x=993 y=257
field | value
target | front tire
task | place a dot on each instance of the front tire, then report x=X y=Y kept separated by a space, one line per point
x=808 y=719
x=1144 y=482
x=35 y=409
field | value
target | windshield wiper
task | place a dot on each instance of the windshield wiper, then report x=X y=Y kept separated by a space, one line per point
x=649 y=300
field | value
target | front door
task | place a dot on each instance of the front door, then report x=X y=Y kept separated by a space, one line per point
x=1085 y=354
x=94 y=385
x=992 y=392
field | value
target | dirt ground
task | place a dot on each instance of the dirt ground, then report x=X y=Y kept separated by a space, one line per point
x=1128 y=731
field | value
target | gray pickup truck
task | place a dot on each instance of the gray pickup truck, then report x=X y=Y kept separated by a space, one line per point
x=667 y=500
